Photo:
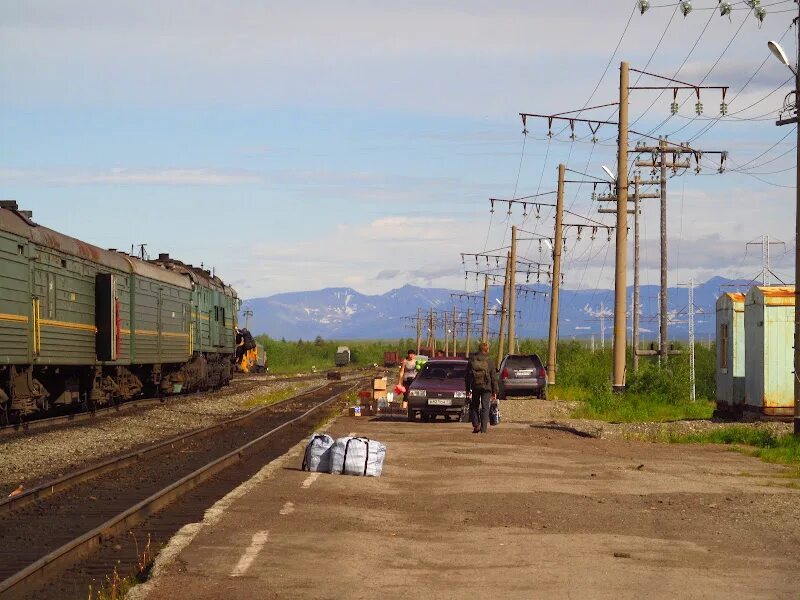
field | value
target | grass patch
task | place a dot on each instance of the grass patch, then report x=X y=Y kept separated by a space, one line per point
x=272 y=397
x=116 y=587
x=762 y=443
x=639 y=408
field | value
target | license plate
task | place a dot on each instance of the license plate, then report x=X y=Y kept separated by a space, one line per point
x=440 y=402
x=523 y=373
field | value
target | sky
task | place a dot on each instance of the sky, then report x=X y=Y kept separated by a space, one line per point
x=296 y=146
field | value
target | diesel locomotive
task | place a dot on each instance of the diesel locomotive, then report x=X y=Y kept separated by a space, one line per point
x=83 y=325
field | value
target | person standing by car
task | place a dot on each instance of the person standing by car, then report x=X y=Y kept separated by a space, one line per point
x=481 y=380
x=408 y=370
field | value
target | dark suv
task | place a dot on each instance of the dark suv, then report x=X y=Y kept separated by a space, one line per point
x=438 y=389
x=522 y=374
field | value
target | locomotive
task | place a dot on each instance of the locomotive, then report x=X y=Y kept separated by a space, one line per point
x=83 y=325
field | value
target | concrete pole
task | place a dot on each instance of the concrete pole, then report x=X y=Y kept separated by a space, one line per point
x=555 y=284
x=512 y=294
x=419 y=329
x=797 y=248
x=663 y=310
x=501 y=343
x=485 y=324
x=636 y=273
x=620 y=275
x=469 y=331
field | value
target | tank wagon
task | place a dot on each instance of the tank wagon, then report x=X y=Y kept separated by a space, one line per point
x=79 y=324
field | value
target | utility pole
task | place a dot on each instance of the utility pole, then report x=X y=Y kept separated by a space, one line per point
x=503 y=314
x=512 y=293
x=455 y=336
x=663 y=347
x=635 y=344
x=247 y=314
x=485 y=323
x=469 y=330
x=445 y=318
x=555 y=284
x=432 y=334
x=419 y=329
x=592 y=343
x=692 y=393
x=620 y=291
x=795 y=119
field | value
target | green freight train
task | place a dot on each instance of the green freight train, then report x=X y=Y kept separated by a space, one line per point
x=83 y=325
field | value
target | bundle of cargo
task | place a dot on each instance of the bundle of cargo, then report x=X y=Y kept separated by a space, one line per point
x=345 y=456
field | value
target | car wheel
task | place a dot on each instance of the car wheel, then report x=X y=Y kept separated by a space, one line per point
x=412 y=415
x=426 y=418
x=501 y=395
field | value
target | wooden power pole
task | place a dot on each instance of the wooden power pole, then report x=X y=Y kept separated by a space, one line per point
x=453 y=322
x=432 y=334
x=635 y=315
x=512 y=294
x=469 y=331
x=620 y=275
x=501 y=345
x=555 y=285
x=419 y=329
x=485 y=323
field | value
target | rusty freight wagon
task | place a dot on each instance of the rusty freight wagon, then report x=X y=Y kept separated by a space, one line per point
x=79 y=324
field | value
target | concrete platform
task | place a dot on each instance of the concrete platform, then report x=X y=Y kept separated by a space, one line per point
x=523 y=512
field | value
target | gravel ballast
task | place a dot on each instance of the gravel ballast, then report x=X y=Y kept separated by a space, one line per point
x=30 y=458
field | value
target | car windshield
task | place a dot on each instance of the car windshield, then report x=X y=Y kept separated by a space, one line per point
x=443 y=371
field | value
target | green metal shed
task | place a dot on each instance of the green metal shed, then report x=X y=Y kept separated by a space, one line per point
x=730 y=369
x=769 y=338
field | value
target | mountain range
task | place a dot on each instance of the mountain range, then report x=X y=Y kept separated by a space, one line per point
x=344 y=313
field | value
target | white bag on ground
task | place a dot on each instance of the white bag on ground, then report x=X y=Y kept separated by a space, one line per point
x=317 y=457
x=357 y=456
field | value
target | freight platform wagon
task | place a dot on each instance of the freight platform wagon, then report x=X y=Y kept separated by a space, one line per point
x=730 y=373
x=769 y=338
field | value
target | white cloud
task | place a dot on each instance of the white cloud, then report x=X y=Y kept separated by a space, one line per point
x=125 y=176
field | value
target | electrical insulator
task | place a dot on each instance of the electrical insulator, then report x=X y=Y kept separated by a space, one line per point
x=644 y=5
x=698 y=108
x=673 y=108
x=725 y=8
x=760 y=12
x=723 y=109
x=594 y=196
x=686 y=7
x=753 y=3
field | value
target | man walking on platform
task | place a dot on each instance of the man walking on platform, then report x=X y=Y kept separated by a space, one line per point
x=481 y=380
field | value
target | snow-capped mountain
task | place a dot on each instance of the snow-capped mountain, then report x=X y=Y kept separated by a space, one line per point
x=344 y=313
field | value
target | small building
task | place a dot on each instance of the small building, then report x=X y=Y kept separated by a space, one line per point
x=730 y=371
x=769 y=339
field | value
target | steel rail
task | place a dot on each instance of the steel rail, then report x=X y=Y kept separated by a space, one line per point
x=70 y=552
x=105 y=411
x=47 y=489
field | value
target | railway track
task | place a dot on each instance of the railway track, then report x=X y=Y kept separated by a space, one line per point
x=242 y=384
x=47 y=530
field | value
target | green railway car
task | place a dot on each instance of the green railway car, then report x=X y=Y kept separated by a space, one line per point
x=83 y=324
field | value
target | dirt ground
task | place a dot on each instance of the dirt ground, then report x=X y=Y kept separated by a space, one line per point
x=522 y=512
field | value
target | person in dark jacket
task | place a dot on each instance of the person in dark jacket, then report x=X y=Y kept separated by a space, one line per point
x=481 y=380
